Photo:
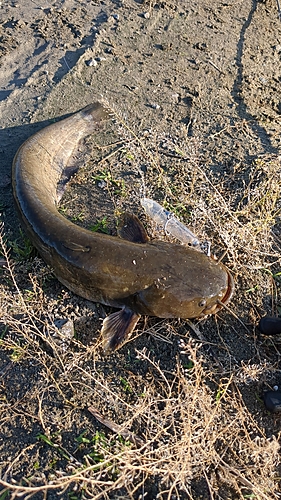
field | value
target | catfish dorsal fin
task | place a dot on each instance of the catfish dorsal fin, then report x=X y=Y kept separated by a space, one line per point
x=132 y=229
x=117 y=327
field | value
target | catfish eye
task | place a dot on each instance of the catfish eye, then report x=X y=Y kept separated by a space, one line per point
x=202 y=303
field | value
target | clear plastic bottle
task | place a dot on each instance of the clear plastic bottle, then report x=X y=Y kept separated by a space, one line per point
x=170 y=223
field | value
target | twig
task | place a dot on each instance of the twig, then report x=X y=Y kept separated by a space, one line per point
x=110 y=155
x=234 y=315
x=119 y=429
x=204 y=341
x=209 y=486
x=243 y=479
x=215 y=66
x=279 y=10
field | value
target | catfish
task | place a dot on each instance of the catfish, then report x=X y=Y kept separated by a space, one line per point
x=129 y=271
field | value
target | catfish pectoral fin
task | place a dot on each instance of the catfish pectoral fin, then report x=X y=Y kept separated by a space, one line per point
x=117 y=327
x=132 y=229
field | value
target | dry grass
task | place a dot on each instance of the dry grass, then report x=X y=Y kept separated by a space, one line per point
x=198 y=419
x=191 y=425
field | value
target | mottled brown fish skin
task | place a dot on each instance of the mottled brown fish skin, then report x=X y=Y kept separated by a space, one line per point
x=156 y=278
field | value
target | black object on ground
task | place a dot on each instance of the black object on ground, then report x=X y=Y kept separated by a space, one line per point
x=269 y=325
x=272 y=401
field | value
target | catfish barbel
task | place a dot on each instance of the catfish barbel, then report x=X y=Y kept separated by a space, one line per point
x=127 y=271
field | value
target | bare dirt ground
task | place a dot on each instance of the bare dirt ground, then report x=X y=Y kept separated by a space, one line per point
x=195 y=88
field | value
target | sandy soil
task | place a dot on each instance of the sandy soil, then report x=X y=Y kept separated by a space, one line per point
x=199 y=84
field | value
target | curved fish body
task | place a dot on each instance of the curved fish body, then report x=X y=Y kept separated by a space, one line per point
x=129 y=272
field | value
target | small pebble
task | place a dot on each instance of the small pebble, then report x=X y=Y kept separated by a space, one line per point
x=91 y=62
x=101 y=184
x=146 y=15
x=176 y=97
x=66 y=327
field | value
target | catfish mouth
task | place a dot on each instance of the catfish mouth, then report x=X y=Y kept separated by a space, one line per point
x=225 y=300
